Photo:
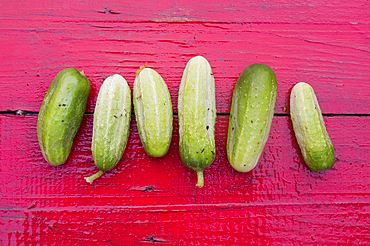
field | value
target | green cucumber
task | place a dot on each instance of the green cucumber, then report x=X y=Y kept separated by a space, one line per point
x=61 y=115
x=309 y=128
x=197 y=116
x=111 y=125
x=153 y=111
x=252 y=109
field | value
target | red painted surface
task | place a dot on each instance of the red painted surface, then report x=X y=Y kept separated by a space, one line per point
x=146 y=200
x=334 y=58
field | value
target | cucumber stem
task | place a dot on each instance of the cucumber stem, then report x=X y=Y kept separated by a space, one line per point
x=140 y=69
x=200 y=179
x=93 y=177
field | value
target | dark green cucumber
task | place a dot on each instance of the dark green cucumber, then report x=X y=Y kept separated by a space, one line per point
x=61 y=114
x=309 y=128
x=252 y=109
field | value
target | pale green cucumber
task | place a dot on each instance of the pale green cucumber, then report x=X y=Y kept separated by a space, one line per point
x=309 y=128
x=61 y=114
x=252 y=109
x=153 y=111
x=111 y=124
x=197 y=116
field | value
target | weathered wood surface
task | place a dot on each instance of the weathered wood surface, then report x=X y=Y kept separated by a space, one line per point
x=331 y=55
x=281 y=201
x=148 y=200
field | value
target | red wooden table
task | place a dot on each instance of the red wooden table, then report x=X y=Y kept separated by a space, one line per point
x=146 y=200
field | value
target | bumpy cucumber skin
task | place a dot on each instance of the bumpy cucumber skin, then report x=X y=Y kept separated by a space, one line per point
x=252 y=110
x=309 y=128
x=111 y=125
x=61 y=115
x=197 y=116
x=153 y=111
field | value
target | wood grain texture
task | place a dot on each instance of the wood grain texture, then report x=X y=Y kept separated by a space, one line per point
x=146 y=199
x=196 y=225
x=154 y=201
x=332 y=57
x=281 y=11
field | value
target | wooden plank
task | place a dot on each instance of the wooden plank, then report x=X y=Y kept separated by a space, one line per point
x=281 y=175
x=333 y=58
x=281 y=11
x=301 y=224
x=147 y=200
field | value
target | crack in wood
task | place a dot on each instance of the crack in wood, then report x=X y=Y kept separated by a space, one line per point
x=145 y=189
x=29 y=113
x=153 y=239
x=109 y=11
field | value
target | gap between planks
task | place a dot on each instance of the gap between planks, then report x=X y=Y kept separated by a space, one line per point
x=182 y=207
x=30 y=113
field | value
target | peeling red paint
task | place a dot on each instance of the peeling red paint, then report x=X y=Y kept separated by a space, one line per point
x=145 y=200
